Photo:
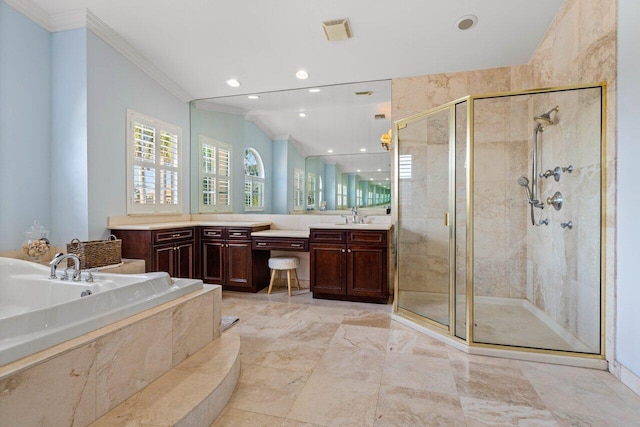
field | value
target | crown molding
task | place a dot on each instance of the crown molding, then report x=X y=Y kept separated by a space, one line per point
x=219 y=108
x=113 y=39
x=282 y=137
x=71 y=20
x=82 y=18
x=260 y=124
x=31 y=11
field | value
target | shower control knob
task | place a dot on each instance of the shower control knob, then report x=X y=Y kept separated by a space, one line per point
x=555 y=201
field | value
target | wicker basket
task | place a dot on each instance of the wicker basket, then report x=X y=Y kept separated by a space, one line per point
x=97 y=253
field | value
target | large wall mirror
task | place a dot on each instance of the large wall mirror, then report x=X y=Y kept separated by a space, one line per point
x=298 y=151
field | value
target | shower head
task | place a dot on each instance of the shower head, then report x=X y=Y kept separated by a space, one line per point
x=524 y=182
x=545 y=120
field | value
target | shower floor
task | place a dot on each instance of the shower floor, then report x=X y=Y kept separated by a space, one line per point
x=497 y=321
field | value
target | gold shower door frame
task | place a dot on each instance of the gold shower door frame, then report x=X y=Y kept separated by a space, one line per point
x=449 y=331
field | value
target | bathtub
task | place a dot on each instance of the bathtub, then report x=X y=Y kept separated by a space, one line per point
x=37 y=313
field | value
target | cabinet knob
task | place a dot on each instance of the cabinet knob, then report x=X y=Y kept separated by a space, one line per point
x=343 y=250
x=176 y=235
x=349 y=251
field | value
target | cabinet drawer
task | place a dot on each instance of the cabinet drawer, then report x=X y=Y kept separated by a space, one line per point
x=167 y=236
x=238 y=233
x=212 y=233
x=280 y=244
x=367 y=237
x=326 y=235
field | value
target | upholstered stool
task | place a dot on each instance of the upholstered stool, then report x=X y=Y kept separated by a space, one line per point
x=280 y=263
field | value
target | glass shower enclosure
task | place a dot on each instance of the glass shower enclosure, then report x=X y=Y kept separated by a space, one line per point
x=499 y=211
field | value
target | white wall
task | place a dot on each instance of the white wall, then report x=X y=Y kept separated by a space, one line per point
x=628 y=235
x=69 y=172
x=25 y=119
x=113 y=85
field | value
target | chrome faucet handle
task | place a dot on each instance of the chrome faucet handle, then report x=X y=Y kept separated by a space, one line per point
x=65 y=275
x=544 y=221
x=346 y=218
x=362 y=218
x=568 y=169
x=89 y=277
x=568 y=225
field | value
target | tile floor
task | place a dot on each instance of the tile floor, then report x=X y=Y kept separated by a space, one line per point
x=309 y=362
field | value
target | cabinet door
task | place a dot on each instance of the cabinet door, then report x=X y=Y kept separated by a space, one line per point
x=184 y=260
x=163 y=258
x=367 y=271
x=328 y=268
x=213 y=262
x=238 y=264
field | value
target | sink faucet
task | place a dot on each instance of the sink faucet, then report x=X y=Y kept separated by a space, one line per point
x=61 y=257
x=354 y=213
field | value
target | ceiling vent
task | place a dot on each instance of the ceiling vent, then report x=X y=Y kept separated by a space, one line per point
x=380 y=116
x=337 y=29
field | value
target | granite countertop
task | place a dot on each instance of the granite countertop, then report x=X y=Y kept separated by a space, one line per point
x=162 y=225
x=304 y=234
x=341 y=226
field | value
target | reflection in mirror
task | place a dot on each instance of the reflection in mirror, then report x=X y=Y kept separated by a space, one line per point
x=361 y=180
x=344 y=120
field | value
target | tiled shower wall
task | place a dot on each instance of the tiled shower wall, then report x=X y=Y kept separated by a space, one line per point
x=579 y=48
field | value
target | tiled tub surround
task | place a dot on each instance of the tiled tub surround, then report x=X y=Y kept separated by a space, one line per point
x=76 y=382
x=38 y=312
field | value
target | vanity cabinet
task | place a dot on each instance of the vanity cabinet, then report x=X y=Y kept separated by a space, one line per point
x=228 y=260
x=349 y=264
x=171 y=250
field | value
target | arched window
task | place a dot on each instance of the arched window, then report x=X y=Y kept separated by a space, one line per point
x=253 y=180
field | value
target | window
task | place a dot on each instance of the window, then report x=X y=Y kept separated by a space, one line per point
x=253 y=181
x=215 y=175
x=298 y=189
x=311 y=190
x=154 y=182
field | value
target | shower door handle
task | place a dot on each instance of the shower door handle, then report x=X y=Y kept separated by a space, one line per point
x=446 y=219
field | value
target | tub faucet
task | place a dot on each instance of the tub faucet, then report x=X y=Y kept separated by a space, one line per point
x=61 y=257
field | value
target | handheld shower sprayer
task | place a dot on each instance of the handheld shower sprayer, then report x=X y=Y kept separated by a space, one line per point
x=524 y=182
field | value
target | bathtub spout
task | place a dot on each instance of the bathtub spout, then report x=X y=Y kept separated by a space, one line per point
x=61 y=257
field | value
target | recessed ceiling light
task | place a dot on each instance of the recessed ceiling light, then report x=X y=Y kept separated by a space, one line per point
x=302 y=114
x=466 y=22
x=329 y=150
x=302 y=75
x=253 y=97
x=363 y=149
x=233 y=82
x=387 y=179
x=357 y=170
x=314 y=90
x=370 y=179
x=379 y=170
